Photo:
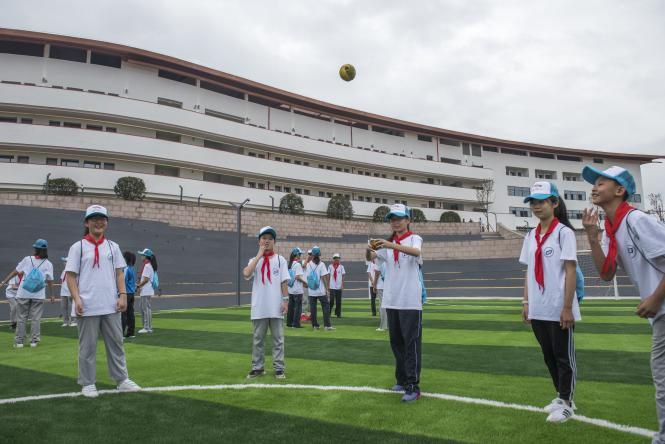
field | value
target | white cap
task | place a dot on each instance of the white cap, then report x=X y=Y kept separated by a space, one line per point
x=96 y=210
x=336 y=255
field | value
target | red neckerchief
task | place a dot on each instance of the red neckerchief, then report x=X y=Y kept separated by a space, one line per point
x=265 y=267
x=610 y=230
x=539 y=252
x=96 y=244
x=335 y=266
x=397 y=240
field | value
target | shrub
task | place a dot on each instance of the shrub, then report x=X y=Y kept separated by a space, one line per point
x=130 y=188
x=340 y=207
x=63 y=186
x=291 y=204
x=417 y=215
x=380 y=213
x=449 y=216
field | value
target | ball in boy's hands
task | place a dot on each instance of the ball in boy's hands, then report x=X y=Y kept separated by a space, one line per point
x=375 y=244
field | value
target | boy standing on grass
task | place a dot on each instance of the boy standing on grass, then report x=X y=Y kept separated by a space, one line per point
x=270 y=294
x=637 y=242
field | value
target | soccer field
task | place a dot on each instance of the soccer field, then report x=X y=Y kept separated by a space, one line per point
x=478 y=350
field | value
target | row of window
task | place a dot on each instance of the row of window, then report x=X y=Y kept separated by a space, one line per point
x=61 y=162
x=543 y=174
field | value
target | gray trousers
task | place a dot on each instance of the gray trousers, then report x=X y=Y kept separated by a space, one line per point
x=384 y=315
x=146 y=311
x=66 y=305
x=261 y=326
x=111 y=328
x=12 y=310
x=658 y=373
x=28 y=308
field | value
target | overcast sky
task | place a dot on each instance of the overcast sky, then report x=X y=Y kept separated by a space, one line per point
x=575 y=73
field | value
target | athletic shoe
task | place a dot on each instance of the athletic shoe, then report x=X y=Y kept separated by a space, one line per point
x=316 y=328
x=150 y=331
x=411 y=396
x=397 y=388
x=556 y=404
x=143 y=330
x=329 y=328
x=64 y=324
x=33 y=344
x=90 y=391
x=18 y=345
x=254 y=373
x=73 y=324
x=380 y=329
x=279 y=374
x=128 y=386
x=561 y=415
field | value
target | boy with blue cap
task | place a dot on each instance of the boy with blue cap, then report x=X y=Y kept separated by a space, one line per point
x=269 y=302
x=637 y=242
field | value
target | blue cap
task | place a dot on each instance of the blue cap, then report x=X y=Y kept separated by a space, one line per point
x=296 y=251
x=316 y=251
x=147 y=252
x=40 y=243
x=399 y=210
x=268 y=230
x=541 y=191
x=617 y=174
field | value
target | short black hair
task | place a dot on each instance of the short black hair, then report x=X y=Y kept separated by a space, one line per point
x=130 y=258
x=41 y=253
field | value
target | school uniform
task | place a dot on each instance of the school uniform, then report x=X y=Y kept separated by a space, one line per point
x=371 y=268
x=383 y=323
x=546 y=303
x=319 y=295
x=128 y=316
x=65 y=300
x=295 y=297
x=31 y=305
x=402 y=299
x=10 y=293
x=147 y=292
x=336 y=281
x=266 y=310
x=95 y=267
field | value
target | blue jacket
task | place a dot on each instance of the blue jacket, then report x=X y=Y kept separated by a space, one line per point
x=130 y=280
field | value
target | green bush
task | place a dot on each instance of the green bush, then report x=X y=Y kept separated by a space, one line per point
x=291 y=204
x=340 y=207
x=417 y=215
x=449 y=216
x=380 y=213
x=130 y=188
x=63 y=186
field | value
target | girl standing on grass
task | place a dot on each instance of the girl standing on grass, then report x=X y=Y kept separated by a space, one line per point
x=95 y=278
x=316 y=271
x=145 y=288
x=128 y=318
x=336 y=272
x=549 y=305
x=296 y=286
x=65 y=299
x=402 y=297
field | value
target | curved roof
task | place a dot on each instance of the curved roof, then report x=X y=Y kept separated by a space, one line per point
x=282 y=97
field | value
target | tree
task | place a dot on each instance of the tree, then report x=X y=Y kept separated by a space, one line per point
x=656 y=204
x=130 y=188
x=291 y=204
x=380 y=213
x=63 y=186
x=340 y=207
x=485 y=196
x=417 y=215
x=449 y=216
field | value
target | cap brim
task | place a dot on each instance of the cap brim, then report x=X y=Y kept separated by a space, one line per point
x=396 y=214
x=96 y=214
x=538 y=197
x=272 y=232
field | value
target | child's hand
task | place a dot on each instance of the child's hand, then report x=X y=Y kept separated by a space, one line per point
x=78 y=307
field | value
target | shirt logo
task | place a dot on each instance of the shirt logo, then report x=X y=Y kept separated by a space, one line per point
x=549 y=251
x=632 y=251
x=275 y=271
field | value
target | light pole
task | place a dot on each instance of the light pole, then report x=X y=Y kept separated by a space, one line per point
x=199 y=201
x=273 y=203
x=180 y=194
x=48 y=176
x=238 y=208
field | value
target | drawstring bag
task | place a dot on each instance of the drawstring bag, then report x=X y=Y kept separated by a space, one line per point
x=313 y=280
x=35 y=280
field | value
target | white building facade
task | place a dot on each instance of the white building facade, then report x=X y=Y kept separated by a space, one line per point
x=94 y=112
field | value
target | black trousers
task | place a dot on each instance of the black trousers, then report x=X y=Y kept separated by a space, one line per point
x=336 y=298
x=326 y=310
x=372 y=295
x=405 y=328
x=128 y=319
x=295 y=310
x=558 y=349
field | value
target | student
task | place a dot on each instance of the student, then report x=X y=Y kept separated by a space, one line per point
x=145 y=288
x=65 y=299
x=379 y=274
x=270 y=275
x=336 y=274
x=371 y=271
x=636 y=241
x=36 y=273
x=305 y=298
x=10 y=293
x=128 y=317
x=549 y=303
x=296 y=285
x=95 y=279
x=402 y=297
x=316 y=271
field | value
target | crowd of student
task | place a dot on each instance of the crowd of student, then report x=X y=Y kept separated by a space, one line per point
x=99 y=283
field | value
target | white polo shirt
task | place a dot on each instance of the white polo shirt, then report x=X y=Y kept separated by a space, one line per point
x=267 y=297
x=64 y=289
x=10 y=291
x=560 y=246
x=649 y=234
x=97 y=286
x=371 y=266
x=297 y=287
x=401 y=285
x=26 y=266
x=148 y=272
x=321 y=270
x=336 y=284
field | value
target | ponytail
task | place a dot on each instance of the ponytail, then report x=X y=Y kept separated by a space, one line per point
x=153 y=262
x=291 y=259
x=561 y=213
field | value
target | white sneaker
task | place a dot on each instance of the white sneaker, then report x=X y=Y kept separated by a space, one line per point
x=330 y=328
x=34 y=344
x=73 y=324
x=556 y=404
x=18 y=345
x=380 y=329
x=90 y=391
x=143 y=330
x=128 y=386
x=150 y=331
x=561 y=415
x=64 y=324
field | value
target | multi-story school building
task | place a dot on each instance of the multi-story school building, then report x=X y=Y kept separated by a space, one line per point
x=96 y=111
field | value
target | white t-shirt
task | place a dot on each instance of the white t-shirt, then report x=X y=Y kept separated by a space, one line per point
x=336 y=284
x=649 y=234
x=321 y=270
x=12 y=288
x=401 y=285
x=546 y=304
x=26 y=266
x=148 y=272
x=64 y=289
x=380 y=279
x=297 y=287
x=371 y=267
x=267 y=297
x=97 y=286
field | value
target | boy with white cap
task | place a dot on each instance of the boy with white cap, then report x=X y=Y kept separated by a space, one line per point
x=336 y=272
x=269 y=302
x=636 y=241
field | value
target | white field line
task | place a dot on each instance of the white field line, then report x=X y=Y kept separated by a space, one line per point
x=476 y=401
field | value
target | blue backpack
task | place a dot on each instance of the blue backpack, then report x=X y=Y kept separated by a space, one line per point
x=292 y=277
x=35 y=280
x=313 y=280
x=155 y=281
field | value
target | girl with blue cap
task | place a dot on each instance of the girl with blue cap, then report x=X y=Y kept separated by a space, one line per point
x=318 y=282
x=296 y=286
x=146 y=288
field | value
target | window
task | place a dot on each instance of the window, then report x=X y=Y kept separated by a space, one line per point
x=346 y=170
x=263 y=156
x=491 y=149
x=24 y=120
x=377 y=175
x=94 y=127
x=329 y=194
x=262 y=186
x=518 y=191
x=635 y=198
x=520 y=211
x=6 y=159
x=21 y=48
x=278 y=159
x=368 y=199
x=222 y=90
x=278 y=188
x=176 y=77
x=451 y=161
x=338 y=169
x=171 y=137
x=423 y=138
x=572 y=177
x=99 y=58
x=542 y=155
x=328 y=167
x=68 y=53
x=71 y=125
x=449 y=206
x=570 y=158
x=287 y=189
x=321 y=166
x=379 y=129
x=287 y=160
x=305 y=164
x=377 y=200
x=251 y=184
x=428 y=157
x=448 y=142
x=163 y=170
x=513 y=152
x=110 y=129
x=475 y=150
x=53 y=123
x=221 y=115
x=109 y=166
x=466 y=149
x=306 y=192
x=574 y=214
x=322 y=194
x=8 y=119
x=69 y=162
x=545 y=174
x=598 y=160
x=297 y=162
x=251 y=154
x=169 y=102
x=574 y=195
x=91 y=164
x=517 y=172
x=51 y=161
x=220 y=178
x=22 y=159
x=298 y=190
x=403 y=178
